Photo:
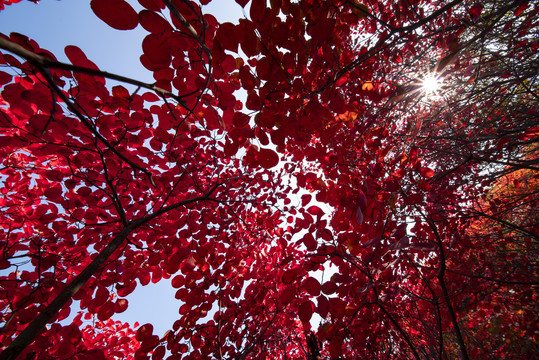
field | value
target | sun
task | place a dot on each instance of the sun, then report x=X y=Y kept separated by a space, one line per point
x=431 y=84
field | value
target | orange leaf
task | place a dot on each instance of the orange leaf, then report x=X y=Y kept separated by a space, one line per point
x=367 y=86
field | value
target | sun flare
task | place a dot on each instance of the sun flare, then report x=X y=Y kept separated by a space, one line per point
x=431 y=84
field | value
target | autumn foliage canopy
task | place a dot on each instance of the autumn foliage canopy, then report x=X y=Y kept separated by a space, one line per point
x=290 y=176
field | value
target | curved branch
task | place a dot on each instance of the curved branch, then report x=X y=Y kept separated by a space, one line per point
x=41 y=61
x=28 y=335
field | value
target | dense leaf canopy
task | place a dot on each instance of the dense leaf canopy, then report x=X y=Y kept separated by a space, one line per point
x=307 y=195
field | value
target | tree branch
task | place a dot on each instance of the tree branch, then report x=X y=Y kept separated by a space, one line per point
x=28 y=335
x=43 y=62
x=189 y=27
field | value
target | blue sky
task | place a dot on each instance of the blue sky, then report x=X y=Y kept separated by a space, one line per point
x=55 y=24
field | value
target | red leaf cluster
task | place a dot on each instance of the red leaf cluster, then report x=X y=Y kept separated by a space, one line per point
x=288 y=173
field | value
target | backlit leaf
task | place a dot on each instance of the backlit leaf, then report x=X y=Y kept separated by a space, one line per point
x=268 y=158
x=118 y=14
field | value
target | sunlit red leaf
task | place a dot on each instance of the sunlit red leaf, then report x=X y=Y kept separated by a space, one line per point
x=120 y=91
x=426 y=172
x=367 y=86
x=78 y=57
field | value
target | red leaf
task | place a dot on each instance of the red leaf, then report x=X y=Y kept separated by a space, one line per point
x=159 y=353
x=253 y=102
x=178 y=281
x=426 y=172
x=144 y=332
x=153 y=5
x=476 y=10
x=268 y=158
x=78 y=57
x=124 y=290
x=120 y=92
x=323 y=306
x=227 y=35
x=305 y=311
x=120 y=306
x=305 y=199
x=212 y=118
x=106 y=311
x=4 y=264
x=5 y=78
x=156 y=49
x=335 y=347
x=71 y=334
x=404 y=242
x=329 y=287
x=519 y=10
x=118 y=14
x=242 y=2
x=101 y=296
x=336 y=307
x=53 y=192
x=310 y=242
x=27 y=315
x=149 y=343
x=425 y=246
x=289 y=276
x=287 y=295
x=362 y=201
x=153 y=22
x=150 y=97
x=314 y=210
x=312 y=286
x=41 y=100
x=414 y=199
x=173 y=263
x=196 y=341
